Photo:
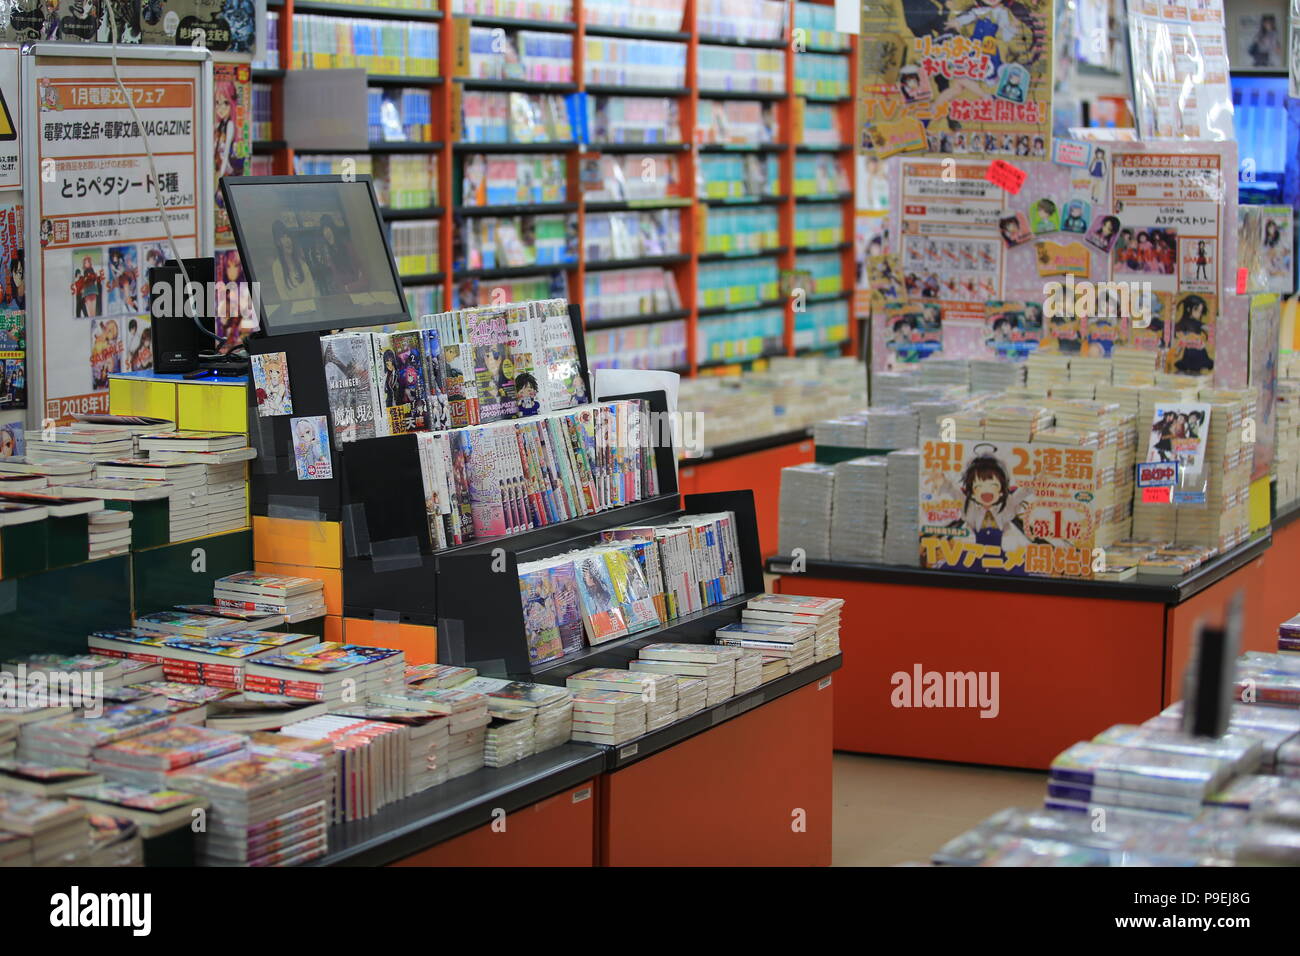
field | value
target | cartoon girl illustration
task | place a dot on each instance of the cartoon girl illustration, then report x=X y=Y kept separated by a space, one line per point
x=16 y=293
x=1190 y=353
x=87 y=287
x=335 y=261
x=1163 y=431
x=289 y=271
x=990 y=503
x=597 y=595
x=1076 y=218
x=307 y=447
x=225 y=135
x=1202 y=260
x=8 y=441
x=1097 y=168
x=393 y=389
x=1104 y=232
x=526 y=395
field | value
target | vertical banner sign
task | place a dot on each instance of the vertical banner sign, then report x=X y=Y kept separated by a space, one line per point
x=10 y=171
x=96 y=215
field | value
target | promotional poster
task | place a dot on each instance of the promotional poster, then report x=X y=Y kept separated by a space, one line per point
x=1008 y=508
x=232 y=133
x=965 y=77
x=99 y=227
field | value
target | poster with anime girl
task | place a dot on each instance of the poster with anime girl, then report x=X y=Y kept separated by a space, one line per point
x=232 y=132
x=975 y=69
x=1008 y=508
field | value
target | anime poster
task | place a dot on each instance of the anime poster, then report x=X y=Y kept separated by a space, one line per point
x=139 y=344
x=232 y=325
x=13 y=360
x=1265 y=247
x=1012 y=329
x=1265 y=334
x=232 y=132
x=1191 y=342
x=12 y=444
x=1006 y=508
x=973 y=77
x=915 y=332
x=94 y=229
x=13 y=265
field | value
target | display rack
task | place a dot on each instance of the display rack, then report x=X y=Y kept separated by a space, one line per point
x=684 y=266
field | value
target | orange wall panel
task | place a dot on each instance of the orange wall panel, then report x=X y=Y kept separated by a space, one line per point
x=753 y=791
x=558 y=831
x=419 y=642
x=290 y=541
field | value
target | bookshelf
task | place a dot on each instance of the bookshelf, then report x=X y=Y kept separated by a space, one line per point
x=798 y=210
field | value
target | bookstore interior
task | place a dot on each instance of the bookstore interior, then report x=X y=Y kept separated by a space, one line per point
x=757 y=353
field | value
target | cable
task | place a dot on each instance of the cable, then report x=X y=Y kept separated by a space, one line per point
x=153 y=170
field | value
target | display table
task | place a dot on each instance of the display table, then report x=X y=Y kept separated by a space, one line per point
x=747 y=782
x=1071 y=657
x=754 y=464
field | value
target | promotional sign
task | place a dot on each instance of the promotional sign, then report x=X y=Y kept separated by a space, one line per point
x=969 y=77
x=10 y=168
x=94 y=229
x=1008 y=508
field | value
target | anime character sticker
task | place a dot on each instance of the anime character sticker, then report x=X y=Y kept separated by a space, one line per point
x=1104 y=232
x=271 y=384
x=1044 y=217
x=991 y=506
x=1013 y=84
x=1074 y=217
x=311 y=447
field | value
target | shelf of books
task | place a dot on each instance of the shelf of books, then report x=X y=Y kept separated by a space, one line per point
x=618 y=157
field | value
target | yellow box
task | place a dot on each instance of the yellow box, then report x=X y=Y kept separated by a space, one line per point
x=208 y=407
x=139 y=396
x=316 y=544
x=1260 y=503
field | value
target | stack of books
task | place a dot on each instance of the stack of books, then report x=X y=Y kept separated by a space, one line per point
x=147 y=760
x=692 y=696
x=1288 y=636
x=749 y=671
x=714 y=665
x=108 y=533
x=793 y=643
x=1274 y=727
x=546 y=710
x=657 y=690
x=191 y=660
x=223 y=458
x=70 y=740
x=95 y=667
x=987 y=375
x=438 y=676
x=607 y=717
x=467 y=719
x=902 y=529
x=51 y=832
x=426 y=735
x=807 y=497
x=1110 y=775
x=42 y=780
x=295 y=599
x=265 y=810
x=154 y=812
x=373 y=759
x=327 y=670
x=81 y=443
x=823 y=614
x=858 y=510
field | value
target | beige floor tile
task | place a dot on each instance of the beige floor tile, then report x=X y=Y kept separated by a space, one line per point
x=890 y=810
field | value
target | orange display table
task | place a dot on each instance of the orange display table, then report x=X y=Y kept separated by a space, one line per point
x=1059 y=660
x=753 y=791
x=753 y=464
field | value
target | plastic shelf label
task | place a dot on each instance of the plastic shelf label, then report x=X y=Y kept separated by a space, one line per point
x=628 y=751
x=824 y=682
x=583 y=794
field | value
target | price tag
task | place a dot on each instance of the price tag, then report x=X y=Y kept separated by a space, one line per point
x=1003 y=174
x=824 y=682
x=1157 y=495
x=628 y=751
x=1243 y=281
x=583 y=794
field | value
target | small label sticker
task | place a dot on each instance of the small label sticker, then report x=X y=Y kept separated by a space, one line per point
x=1157 y=474
x=1069 y=152
x=1243 y=281
x=824 y=682
x=1188 y=497
x=583 y=794
x=1157 y=495
x=1003 y=174
x=628 y=751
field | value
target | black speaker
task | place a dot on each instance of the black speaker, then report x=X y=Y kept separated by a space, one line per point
x=177 y=341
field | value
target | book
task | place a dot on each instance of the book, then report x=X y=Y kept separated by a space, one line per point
x=155 y=811
x=43 y=781
x=540 y=627
x=352 y=387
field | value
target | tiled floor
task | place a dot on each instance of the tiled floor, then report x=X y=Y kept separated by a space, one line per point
x=889 y=810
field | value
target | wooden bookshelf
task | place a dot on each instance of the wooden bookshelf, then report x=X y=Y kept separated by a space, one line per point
x=685 y=265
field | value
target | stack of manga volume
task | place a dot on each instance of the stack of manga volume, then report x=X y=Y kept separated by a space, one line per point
x=490 y=480
x=635 y=579
x=472 y=366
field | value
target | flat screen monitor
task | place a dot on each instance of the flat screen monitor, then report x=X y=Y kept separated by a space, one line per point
x=317 y=250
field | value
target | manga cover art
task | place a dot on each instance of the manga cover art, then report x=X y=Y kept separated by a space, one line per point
x=601 y=611
x=539 y=617
x=311 y=447
x=948 y=76
x=106 y=351
x=271 y=384
x=1179 y=432
x=568 y=606
x=232 y=132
